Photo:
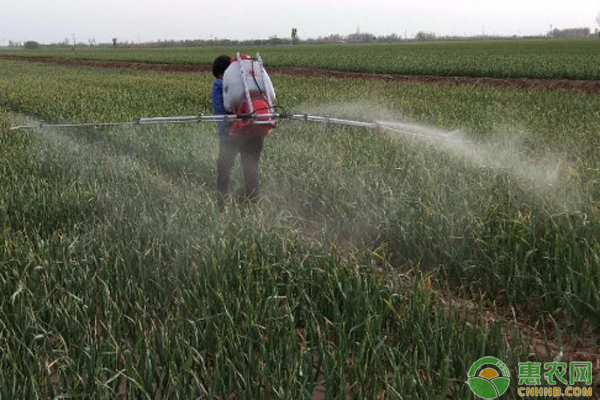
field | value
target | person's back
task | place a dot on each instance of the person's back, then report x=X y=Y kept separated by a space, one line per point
x=249 y=147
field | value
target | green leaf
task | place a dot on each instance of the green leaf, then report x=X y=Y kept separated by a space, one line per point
x=501 y=384
x=483 y=388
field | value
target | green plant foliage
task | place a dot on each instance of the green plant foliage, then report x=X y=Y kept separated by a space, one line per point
x=119 y=277
x=559 y=59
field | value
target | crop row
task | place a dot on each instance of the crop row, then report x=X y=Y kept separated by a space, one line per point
x=361 y=274
x=558 y=59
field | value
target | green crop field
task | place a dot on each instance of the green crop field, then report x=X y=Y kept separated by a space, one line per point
x=377 y=266
x=568 y=59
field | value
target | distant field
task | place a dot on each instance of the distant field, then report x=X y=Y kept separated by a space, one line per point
x=556 y=59
x=377 y=267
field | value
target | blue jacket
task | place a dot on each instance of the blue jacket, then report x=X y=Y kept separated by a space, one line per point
x=219 y=106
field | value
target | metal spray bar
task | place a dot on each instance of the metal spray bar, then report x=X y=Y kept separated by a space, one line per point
x=245 y=82
x=257 y=119
x=261 y=67
x=150 y=121
x=43 y=125
x=333 y=121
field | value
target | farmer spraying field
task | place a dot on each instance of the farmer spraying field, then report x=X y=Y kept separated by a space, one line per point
x=122 y=279
x=243 y=103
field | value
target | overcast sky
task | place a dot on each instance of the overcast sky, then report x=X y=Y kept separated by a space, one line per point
x=149 y=20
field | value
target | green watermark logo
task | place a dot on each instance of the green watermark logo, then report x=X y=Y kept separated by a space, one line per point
x=489 y=378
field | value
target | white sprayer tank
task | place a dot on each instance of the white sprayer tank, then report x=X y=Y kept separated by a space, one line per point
x=258 y=82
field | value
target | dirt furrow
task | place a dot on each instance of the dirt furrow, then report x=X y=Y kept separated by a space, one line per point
x=583 y=86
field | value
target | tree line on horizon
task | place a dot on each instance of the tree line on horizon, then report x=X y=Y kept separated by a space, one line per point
x=358 y=37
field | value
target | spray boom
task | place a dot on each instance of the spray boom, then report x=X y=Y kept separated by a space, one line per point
x=256 y=119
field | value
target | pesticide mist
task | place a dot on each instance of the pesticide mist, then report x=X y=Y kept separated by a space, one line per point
x=504 y=151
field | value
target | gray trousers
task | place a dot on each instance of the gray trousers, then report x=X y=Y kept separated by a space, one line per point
x=249 y=148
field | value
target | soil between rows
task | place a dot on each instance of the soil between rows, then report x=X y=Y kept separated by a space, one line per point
x=582 y=86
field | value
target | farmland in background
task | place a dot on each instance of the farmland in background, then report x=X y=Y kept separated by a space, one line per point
x=377 y=266
x=556 y=59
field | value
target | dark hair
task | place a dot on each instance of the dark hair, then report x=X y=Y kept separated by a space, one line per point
x=220 y=65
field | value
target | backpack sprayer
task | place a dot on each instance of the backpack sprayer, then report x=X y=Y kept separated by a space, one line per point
x=249 y=96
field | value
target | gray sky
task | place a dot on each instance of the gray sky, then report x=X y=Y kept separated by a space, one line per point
x=149 y=20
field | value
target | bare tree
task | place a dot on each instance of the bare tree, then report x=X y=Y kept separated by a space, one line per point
x=422 y=35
